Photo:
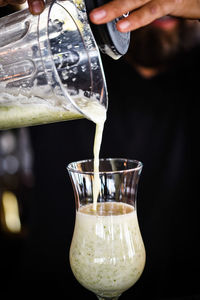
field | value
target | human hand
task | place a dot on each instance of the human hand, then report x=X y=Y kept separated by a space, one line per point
x=35 y=6
x=143 y=12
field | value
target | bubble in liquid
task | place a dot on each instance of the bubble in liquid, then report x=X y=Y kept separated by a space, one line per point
x=75 y=70
x=65 y=74
x=87 y=94
x=94 y=65
x=83 y=68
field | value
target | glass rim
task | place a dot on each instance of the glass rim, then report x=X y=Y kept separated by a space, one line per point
x=137 y=168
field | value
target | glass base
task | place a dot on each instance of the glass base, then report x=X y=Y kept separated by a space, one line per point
x=108 y=298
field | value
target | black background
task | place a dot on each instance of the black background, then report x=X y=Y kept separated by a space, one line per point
x=152 y=120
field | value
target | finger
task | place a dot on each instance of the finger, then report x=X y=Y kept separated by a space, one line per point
x=36 y=6
x=146 y=15
x=114 y=9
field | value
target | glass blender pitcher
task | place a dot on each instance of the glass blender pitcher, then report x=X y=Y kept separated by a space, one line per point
x=50 y=65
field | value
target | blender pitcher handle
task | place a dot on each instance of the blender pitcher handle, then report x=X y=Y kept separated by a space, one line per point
x=18 y=70
x=13 y=33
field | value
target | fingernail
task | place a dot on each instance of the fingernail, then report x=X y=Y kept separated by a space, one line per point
x=98 y=15
x=37 y=7
x=124 y=25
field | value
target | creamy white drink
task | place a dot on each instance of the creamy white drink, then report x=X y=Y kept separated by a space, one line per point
x=33 y=114
x=20 y=110
x=96 y=151
x=96 y=113
x=107 y=254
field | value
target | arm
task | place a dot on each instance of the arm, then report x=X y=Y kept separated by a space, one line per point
x=143 y=12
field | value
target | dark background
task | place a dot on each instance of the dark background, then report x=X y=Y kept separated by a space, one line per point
x=152 y=120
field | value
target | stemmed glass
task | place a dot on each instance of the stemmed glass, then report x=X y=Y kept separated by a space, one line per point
x=107 y=254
